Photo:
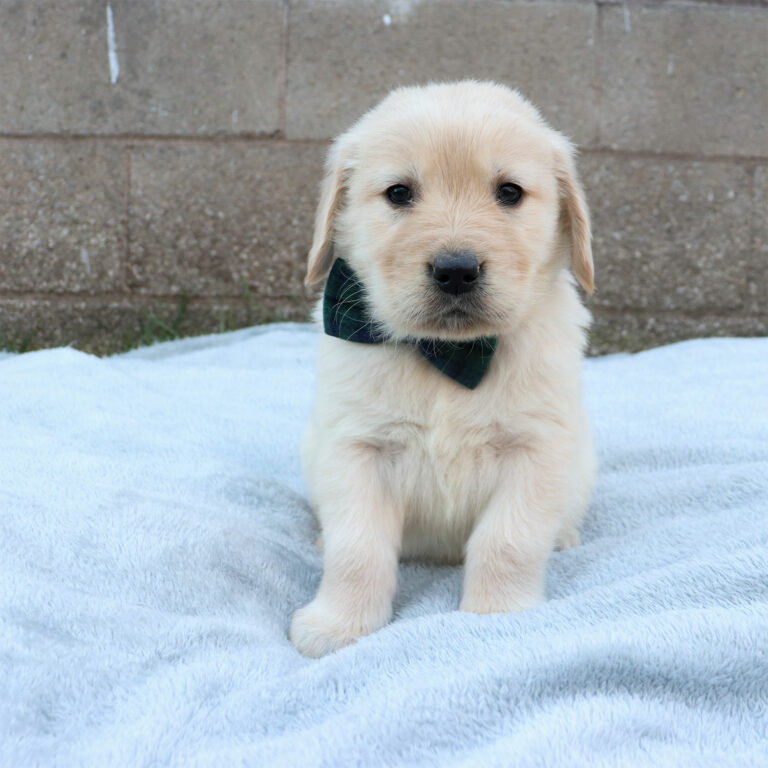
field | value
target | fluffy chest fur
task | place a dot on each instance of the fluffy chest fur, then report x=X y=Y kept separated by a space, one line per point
x=438 y=447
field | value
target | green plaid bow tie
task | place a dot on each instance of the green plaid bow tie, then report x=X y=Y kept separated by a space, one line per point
x=345 y=316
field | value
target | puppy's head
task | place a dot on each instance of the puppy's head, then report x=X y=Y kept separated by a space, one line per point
x=457 y=206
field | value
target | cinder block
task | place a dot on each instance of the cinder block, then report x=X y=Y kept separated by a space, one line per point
x=685 y=79
x=62 y=227
x=110 y=326
x=669 y=235
x=758 y=272
x=343 y=56
x=199 y=67
x=95 y=326
x=228 y=219
x=626 y=332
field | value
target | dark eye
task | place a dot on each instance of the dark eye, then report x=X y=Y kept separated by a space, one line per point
x=399 y=194
x=509 y=194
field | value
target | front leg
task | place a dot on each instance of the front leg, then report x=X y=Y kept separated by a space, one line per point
x=507 y=553
x=361 y=542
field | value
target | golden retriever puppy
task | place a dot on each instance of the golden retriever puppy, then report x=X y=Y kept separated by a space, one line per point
x=448 y=422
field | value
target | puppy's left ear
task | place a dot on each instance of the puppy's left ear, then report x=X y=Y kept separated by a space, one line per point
x=320 y=258
x=574 y=215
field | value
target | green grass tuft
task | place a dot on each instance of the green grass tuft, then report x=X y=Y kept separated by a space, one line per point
x=20 y=345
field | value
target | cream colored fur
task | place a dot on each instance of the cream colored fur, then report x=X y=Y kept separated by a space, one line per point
x=400 y=460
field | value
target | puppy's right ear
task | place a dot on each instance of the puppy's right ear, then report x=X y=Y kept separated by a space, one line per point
x=331 y=190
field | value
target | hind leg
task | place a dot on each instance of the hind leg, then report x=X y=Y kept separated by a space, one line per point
x=583 y=473
x=568 y=538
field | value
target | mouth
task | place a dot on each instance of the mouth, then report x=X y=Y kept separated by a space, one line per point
x=456 y=317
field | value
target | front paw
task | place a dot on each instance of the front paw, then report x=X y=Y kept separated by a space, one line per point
x=500 y=602
x=317 y=631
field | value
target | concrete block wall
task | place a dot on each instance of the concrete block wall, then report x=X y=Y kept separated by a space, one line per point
x=160 y=158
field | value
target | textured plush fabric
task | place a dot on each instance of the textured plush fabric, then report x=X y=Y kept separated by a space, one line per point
x=346 y=316
x=155 y=540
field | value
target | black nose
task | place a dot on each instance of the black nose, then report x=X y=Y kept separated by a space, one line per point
x=456 y=271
